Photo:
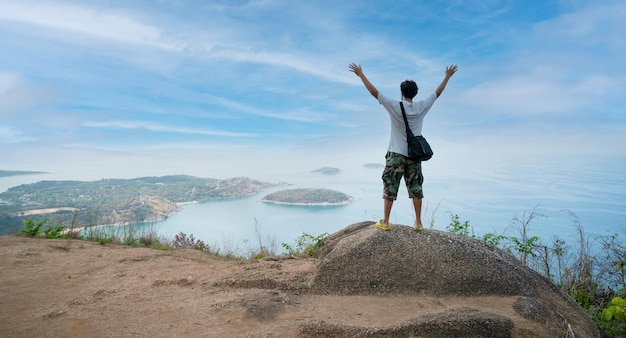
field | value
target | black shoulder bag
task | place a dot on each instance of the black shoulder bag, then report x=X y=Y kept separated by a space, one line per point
x=419 y=149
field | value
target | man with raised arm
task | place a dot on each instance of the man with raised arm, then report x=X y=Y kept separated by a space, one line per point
x=397 y=163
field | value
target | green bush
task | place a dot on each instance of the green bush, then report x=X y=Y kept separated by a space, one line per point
x=494 y=239
x=54 y=232
x=306 y=244
x=459 y=228
x=32 y=229
x=616 y=310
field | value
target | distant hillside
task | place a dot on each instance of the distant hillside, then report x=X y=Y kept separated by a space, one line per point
x=327 y=171
x=308 y=196
x=114 y=201
x=6 y=173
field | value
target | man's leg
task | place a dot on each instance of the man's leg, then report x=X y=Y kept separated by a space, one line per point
x=417 y=206
x=394 y=169
x=387 y=211
x=414 y=180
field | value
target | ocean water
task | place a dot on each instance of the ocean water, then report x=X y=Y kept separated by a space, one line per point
x=489 y=198
x=560 y=197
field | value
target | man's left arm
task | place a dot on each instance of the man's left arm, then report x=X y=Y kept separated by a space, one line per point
x=449 y=72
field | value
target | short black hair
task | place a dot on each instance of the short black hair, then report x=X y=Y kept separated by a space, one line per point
x=408 y=89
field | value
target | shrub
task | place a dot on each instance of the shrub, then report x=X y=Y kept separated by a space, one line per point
x=54 y=232
x=459 y=228
x=182 y=241
x=494 y=239
x=613 y=317
x=306 y=244
x=616 y=310
x=32 y=229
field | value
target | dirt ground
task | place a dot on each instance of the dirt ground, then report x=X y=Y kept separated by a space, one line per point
x=72 y=288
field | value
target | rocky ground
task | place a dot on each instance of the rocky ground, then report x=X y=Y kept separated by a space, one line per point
x=73 y=288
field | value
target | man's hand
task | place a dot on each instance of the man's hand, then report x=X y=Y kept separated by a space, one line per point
x=356 y=69
x=451 y=70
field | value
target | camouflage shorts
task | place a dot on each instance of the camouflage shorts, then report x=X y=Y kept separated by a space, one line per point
x=396 y=167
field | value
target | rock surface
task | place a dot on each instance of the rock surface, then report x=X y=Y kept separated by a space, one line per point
x=362 y=260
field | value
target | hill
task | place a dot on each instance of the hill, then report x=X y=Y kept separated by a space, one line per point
x=69 y=288
x=115 y=201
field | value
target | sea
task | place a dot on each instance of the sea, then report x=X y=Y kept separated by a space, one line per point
x=555 y=200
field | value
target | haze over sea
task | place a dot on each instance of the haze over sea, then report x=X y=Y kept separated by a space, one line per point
x=489 y=198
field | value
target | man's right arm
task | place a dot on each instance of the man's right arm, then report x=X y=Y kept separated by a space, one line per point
x=356 y=69
x=449 y=72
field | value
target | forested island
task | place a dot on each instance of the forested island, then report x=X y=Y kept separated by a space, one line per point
x=115 y=201
x=327 y=171
x=308 y=196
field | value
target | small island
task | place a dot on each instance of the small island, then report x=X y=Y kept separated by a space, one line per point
x=327 y=171
x=308 y=196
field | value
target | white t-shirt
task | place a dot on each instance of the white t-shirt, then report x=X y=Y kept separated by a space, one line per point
x=415 y=113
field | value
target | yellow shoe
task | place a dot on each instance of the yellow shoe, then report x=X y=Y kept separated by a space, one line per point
x=418 y=227
x=380 y=226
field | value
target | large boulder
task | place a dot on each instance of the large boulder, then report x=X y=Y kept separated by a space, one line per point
x=363 y=260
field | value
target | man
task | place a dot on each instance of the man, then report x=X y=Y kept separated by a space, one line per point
x=397 y=163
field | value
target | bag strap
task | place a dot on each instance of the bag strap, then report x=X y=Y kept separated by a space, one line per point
x=409 y=133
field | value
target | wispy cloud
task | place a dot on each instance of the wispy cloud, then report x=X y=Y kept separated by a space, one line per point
x=84 y=19
x=8 y=81
x=12 y=135
x=239 y=107
x=118 y=26
x=19 y=98
x=156 y=127
x=475 y=12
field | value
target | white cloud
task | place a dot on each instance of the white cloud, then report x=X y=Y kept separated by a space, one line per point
x=225 y=42
x=296 y=61
x=528 y=95
x=476 y=11
x=599 y=24
x=156 y=127
x=80 y=19
x=567 y=66
x=17 y=94
x=12 y=135
x=253 y=110
x=8 y=81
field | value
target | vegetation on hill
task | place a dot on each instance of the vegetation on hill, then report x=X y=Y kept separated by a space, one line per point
x=308 y=196
x=115 y=201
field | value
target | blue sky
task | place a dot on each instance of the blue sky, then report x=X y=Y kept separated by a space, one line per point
x=224 y=88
